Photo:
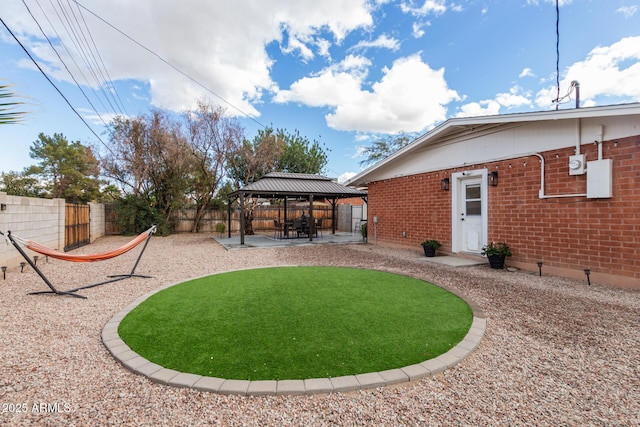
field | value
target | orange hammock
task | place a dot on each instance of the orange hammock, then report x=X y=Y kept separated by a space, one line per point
x=41 y=249
x=37 y=247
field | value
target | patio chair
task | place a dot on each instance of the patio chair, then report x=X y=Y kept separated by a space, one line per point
x=319 y=227
x=299 y=227
x=277 y=229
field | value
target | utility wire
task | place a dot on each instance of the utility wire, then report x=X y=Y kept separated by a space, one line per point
x=68 y=26
x=171 y=65
x=90 y=53
x=109 y=80
x=557 y=54
x=63 y=63
x=53 y=84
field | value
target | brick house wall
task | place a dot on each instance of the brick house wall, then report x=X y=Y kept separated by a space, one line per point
x=566 y=234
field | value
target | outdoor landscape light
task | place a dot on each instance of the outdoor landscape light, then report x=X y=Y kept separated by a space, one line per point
x=588 y=272
x=22 y=264
x=4 y=272
x=444 y=184
x=493 y=179
x=540 y=267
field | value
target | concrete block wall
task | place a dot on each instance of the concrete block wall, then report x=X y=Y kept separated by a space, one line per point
x=97 y=221
x=567 y=234
x=30 y=218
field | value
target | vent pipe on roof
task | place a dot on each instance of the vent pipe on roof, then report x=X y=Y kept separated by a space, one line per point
x=576 y=85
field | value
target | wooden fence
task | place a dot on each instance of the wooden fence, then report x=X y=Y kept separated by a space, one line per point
x=262 y=220
x=77 y=226
x=111 y=226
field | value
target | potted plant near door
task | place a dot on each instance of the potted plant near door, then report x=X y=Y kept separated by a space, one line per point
x=430 y=247
x=496 y=252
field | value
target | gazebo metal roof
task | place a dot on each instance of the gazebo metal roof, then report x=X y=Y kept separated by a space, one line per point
x=279 y=184
x=282 y=185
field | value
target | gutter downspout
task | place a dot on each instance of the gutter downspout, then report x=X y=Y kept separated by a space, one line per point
x=578 y=135
x=541 y=194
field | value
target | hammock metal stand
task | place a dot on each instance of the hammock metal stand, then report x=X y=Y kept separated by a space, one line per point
x=72 y=292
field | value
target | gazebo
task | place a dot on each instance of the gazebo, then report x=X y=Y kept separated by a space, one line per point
x=281 y=185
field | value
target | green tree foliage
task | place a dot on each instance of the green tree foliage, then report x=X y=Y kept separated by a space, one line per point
x=7 y=115
x=69 y=170
x=301 y=155
x=383 y=148
x=20 y=184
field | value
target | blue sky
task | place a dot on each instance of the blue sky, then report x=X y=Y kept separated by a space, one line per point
x=344 y=73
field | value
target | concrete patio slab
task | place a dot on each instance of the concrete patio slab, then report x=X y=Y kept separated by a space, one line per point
x=267 y=241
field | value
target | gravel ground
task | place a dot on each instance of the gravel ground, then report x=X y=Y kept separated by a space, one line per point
x=556 y=352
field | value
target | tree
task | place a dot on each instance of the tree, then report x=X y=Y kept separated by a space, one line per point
x=20 y=184
x=300 y=154
x=383 y=148
x=7 y=116
x=211 y=137
x=272 y=151
x=150 y=159
x=70 y=170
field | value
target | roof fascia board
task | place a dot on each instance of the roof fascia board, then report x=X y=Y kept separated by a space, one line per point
x=575 y=113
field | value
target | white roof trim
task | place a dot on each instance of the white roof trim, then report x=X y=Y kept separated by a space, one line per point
x=466 y=122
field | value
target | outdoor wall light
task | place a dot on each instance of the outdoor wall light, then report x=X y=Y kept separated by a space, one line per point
x=3 y=207
x=493 y=179
x=444 y=184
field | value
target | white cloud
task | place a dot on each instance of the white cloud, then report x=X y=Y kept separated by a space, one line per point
x=513 y=99
x=487 y=107
x=409 y=97
x=417 y=32
x=435 y=7
x=346 y=176
x=221 y=45
x=383 y=41
x=560 y=3
x=610 y=71
x=628 y=11
x=526 y=73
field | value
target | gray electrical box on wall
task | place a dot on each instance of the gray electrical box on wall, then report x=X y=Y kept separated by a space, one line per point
x=600 y=179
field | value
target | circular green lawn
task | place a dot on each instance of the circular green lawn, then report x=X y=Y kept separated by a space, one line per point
x=296 y=323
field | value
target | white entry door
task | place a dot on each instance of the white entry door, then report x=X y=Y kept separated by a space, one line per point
x=469 y=213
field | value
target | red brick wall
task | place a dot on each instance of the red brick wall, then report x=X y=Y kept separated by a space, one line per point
x=573 y=233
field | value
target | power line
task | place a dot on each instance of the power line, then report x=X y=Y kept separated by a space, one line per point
x=62 y=61
x=108 y=80
x=557 y=54
x=68 y=26
x=171 y=65
x=54 y=85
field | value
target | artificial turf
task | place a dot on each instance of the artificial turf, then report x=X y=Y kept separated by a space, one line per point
x=296 y=323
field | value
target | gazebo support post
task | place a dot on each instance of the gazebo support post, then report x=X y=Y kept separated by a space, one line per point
x=312 y=223
x=229 y=217
x=285 y=217
x=334 y=201
x=242 y=218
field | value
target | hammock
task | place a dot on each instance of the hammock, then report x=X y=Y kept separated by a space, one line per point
x=41 y=249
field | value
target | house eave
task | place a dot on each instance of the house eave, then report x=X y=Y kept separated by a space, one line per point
x=472 y=125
